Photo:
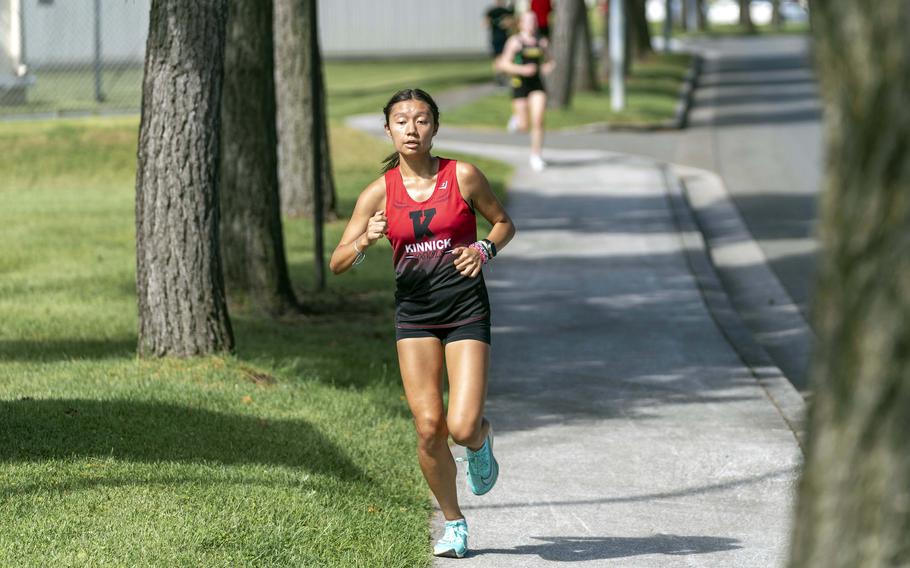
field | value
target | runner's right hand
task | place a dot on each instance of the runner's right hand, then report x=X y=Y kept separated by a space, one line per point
x=377 y=226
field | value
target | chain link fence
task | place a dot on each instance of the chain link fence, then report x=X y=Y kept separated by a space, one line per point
x=68 y=56
x=60 y=57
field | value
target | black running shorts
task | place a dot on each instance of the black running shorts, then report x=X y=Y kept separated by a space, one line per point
x=479 y=330
x=522 y=86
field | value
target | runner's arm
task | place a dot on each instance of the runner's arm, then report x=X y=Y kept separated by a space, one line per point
x=367 y=225
x=476 y=191
x=506 y=61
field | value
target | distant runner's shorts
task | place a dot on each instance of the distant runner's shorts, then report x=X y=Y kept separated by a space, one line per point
x=479 y=330
x=523 y=86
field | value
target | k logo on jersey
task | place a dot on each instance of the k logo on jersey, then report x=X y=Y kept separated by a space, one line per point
x=422 y=227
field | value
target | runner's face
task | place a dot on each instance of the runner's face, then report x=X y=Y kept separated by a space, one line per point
x=411 y=127
x=528 y=22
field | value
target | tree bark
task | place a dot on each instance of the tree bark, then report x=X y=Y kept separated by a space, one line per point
x=180 y=291
x=702 y=14
x=854 y=504
x=605 y=48
x=745 y=17
x=564 y=36
x=317 y=133
x=293 y=63
x=628 y=44
x=586 y=66
x=638 y=31
x=252 y=242
x=776 y=19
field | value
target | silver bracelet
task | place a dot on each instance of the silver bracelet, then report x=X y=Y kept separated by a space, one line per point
x=360 y=256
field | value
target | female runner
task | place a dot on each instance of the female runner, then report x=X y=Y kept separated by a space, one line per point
x=426 y=207
x=527 y=59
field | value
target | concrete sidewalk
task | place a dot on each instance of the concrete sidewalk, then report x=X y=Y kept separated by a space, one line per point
x=629 y=432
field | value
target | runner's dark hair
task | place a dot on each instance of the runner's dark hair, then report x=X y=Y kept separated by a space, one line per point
x=391 y=161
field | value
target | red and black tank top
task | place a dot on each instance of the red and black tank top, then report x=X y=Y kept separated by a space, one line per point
x=430 y=292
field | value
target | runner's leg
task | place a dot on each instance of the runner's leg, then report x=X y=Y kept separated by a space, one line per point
x=537 y=103
x=467 y=362
x=420 y=360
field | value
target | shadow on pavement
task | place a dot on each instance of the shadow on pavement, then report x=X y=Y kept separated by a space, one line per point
x=685 y=492
x=761 y=118
x=802 y=96
x=581 y=548
x=756 y=82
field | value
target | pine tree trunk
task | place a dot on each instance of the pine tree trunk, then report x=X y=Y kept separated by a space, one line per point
x=179 y=283
x=564 y=36
x=252 y=243
x=854 y=504
x=745 y=17
x=293 y=64
x=585 y=64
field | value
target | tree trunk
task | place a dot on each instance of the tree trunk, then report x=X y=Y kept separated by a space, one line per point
x=638 y=31
x=318 y=135
x=585 y=64
x=564 y=34
x=629 y=37
x=605 y=48
x=179 y=282
x=702 y=14
x=668 y=24
x=293 y=64
x=854 y=504
x=776 y=20
x=252 y=243
x=745 y=17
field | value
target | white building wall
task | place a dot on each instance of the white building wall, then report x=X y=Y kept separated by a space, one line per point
x=403 y=27
x=61 y=32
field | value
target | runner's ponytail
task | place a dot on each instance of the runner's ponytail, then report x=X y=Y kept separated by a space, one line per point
x=390 y=162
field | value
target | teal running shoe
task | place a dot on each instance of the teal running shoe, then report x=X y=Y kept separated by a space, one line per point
x=454 y=542
x=483 y=469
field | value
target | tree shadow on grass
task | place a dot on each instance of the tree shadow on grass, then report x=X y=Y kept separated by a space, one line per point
x=149 y=432
x=581 y=548
x=66 y=349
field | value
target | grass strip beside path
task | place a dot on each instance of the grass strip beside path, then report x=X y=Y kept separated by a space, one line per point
x=296 y=451
x=652 y=93
x=353 y=86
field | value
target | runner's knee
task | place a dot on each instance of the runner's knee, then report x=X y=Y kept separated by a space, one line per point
x=463 y=432
x=431 y=431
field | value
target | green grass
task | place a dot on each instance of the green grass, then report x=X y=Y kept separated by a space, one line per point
x=724 y=30
x=73 y=89
x=652 y=93
x=353 y=86
x=296 y=451
x=365 y=86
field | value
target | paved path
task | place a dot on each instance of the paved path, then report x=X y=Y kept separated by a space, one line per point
x=628 y=431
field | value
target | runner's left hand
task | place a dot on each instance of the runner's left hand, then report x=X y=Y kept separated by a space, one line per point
x=467 y=261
